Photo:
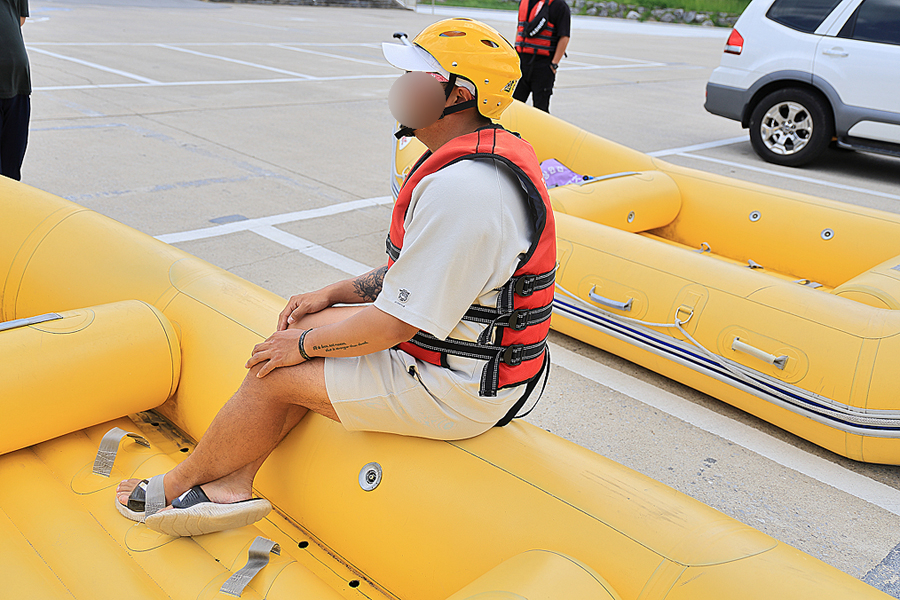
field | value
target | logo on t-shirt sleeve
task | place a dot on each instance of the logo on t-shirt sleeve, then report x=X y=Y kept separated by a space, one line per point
x=403 y=296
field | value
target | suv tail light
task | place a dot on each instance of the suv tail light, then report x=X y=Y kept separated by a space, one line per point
x=735 y=43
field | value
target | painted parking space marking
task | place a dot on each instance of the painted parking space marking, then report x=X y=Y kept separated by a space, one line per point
x=696 y=147
x=235 y=61
x=93 y=65
x=752 y=439
x=56 y=88
x=689 y=152
x=302 y=215
x=822 y=182
x=320 y=253
x=620 y=62
x=293 y=76
x=330 y=55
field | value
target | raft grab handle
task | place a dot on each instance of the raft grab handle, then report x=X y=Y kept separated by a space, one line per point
x=626 y=306
x=7 y=325
x=258 y=557
x=778 y=361
x=109 y=447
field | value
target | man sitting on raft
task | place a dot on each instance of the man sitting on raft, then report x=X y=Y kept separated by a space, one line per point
x=454 y=339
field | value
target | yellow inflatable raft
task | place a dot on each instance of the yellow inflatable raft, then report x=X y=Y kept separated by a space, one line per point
x=101 y=320
x=781 y=304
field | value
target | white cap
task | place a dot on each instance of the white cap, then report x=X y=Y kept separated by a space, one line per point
x=416 y=58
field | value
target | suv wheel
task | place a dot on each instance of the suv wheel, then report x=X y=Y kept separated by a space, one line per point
x=790 y=127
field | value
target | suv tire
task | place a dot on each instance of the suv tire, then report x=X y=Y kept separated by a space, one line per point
x=790 y=127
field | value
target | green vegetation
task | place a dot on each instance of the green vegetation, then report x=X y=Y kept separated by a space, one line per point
x=733 y=8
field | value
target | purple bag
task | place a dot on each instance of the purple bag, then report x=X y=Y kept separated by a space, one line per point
x=556 y=174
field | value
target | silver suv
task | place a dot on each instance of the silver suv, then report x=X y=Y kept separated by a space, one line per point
x=801 y=74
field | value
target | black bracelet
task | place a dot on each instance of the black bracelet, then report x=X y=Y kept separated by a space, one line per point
x=300 y=344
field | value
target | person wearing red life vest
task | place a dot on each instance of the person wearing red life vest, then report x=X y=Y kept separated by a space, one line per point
x=542 y=36
x=446 y=340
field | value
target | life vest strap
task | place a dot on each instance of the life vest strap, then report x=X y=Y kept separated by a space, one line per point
x=393 y=251
x=513 y=412
x=517 y=319
x=512 y=355
x=525 y=285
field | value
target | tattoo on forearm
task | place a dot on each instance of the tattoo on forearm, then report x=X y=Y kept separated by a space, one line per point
x=368 y=286
x=336 y=347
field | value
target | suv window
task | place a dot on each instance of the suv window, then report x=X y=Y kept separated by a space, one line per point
x=802 y=15
x=874 y=21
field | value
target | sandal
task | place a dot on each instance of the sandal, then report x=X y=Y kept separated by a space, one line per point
x=193 y=513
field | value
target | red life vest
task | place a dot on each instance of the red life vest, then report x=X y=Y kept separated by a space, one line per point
x=542 y=42
x=515 y=340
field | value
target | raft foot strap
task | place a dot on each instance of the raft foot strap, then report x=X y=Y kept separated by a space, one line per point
x=257 y=559
x=109 y=447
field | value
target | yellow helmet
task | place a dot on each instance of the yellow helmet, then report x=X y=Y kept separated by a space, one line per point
x=472 y=51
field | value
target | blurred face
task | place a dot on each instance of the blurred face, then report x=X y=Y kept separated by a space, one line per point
x=417 y=100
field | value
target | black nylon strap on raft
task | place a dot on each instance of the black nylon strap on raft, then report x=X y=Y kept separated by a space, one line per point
x=513 y=412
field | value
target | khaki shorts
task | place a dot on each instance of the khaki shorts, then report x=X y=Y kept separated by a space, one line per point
x=392 y=392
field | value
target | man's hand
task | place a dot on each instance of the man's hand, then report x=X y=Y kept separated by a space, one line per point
x=280 y=350
x=300 y=305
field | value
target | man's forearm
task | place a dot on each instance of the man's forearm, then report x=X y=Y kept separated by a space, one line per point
x=370 y=330
x=364 y=288
x=560 y=50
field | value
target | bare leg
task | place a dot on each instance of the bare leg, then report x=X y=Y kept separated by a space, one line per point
x=250 y=425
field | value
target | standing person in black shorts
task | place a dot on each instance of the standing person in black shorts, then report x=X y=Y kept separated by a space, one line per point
x=541 y=40
x=15 y=88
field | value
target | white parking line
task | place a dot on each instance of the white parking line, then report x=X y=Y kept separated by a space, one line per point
x=329 y=55
x=105 y=86
x=93 y=66
x=320 y=253
x=236 y=61
x=638 y=62
x=301 y=215
x=147 y=82
x=210 y=44
x=696 y=147
x=752 y=439
x=839 y=186
x=756 y=441
x=572 y=66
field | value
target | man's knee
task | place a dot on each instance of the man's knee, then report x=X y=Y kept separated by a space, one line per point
x=300 y=385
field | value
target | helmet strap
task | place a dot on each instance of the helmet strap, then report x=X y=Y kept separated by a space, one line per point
x=404 y=131
x=451 y=83
x=458 y=107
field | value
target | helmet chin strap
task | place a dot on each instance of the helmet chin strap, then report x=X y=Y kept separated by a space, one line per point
x=405 y=131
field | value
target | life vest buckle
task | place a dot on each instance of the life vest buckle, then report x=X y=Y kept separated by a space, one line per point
x=525 y=286
x=512 y=356
x=518 y=319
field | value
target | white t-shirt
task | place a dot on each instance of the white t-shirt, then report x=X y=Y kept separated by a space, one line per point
x=465 y=230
